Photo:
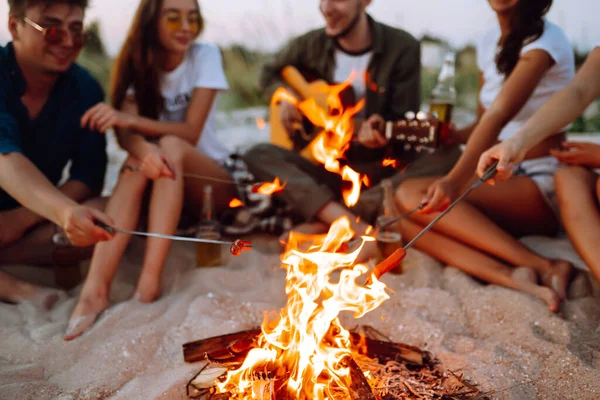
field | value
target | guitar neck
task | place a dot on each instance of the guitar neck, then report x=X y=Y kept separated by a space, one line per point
x=414 y=132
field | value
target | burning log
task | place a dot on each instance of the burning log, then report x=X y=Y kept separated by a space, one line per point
x=229 y=350
x=387 y=351
x=197 y=350
x=359 y=386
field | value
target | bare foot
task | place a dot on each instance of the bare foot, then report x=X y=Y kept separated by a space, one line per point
x=45 y=298
x=525 y=275
x=147 y=290
x=15 y=290
x=557 y=278
x=525 y=280
x=549 y=296
x=85 y=313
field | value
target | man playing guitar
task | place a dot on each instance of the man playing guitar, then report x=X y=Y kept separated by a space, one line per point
x=387 y=63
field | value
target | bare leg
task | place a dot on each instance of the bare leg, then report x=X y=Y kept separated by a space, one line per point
x=37 y=248
x=15 y=290
x=166 y=204
x=124 y=208
x=575 y=188
x=197 y=163
x=475 y=263
x=514 y=202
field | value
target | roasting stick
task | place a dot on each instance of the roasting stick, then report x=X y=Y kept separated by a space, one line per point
x=394 y=259
x=197 y=176
x=236 y=244
x=400 y=217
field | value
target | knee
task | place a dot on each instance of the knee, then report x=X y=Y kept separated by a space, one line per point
x=572 y=191
x=565 y=180
x=259 y=152
x=134 y=183
x=410 y=193
x=174 y=148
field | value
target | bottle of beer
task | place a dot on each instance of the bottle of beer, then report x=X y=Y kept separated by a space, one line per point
x=208 y=254
x=443 y=95
x=389 y=239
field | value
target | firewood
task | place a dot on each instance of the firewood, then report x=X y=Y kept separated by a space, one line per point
x=359 y=386
x=385 y=351
x=197 y=350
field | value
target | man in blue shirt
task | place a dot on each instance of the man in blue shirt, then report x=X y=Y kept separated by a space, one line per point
x=43 y=96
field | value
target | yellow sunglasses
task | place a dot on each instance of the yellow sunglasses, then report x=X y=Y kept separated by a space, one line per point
x=174 y=21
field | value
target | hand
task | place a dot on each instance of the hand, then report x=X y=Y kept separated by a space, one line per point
x=508 y=153
x=12 y=227
x=440 y=194
x=78 y=224
x=290 y=117
x=155 y=165
x=101 y=117
x=370 y=134
x=578 y=153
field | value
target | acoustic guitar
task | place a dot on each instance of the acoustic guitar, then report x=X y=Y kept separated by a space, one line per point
x=418 y=131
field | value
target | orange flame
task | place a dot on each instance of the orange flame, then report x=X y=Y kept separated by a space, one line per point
x=260 y=123
x=333 y=142
x=235 y=203
x=306 y=343
x=269 y=188
x=390 y=162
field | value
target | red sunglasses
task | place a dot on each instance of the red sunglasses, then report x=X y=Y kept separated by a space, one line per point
x=54 y=36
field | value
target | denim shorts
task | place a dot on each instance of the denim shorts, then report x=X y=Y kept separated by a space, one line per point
x=541 y=171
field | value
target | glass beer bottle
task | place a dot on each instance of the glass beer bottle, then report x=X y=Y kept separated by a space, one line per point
x=389 y=239
x=208 y=254
x=443 y=95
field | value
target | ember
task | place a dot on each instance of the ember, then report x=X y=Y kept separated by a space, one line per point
x=269 y=188
x=390 y=162
x=235 y=203
x=382 y=370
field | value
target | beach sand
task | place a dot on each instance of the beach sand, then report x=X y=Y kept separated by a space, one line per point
x=502 y=340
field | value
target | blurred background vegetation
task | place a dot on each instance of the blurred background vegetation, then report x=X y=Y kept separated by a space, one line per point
x=242 y=67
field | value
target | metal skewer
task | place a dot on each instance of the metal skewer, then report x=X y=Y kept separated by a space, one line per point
x=400 y=217
x=197 y=176
x=394 y=259
x=489 y=173
x=113 y=230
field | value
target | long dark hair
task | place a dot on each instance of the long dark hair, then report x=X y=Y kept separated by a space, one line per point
x=527 y=25
x=139 y=62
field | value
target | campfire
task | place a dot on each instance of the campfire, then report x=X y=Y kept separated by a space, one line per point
x=304 y=352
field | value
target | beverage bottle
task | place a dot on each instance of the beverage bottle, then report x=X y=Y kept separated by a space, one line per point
x=443 y=95
x=389 y=238
x=208 y=254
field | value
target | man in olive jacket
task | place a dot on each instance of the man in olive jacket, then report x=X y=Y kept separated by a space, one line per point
x=387 y=63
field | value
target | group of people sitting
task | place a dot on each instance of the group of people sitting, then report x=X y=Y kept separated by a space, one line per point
x=162 y=109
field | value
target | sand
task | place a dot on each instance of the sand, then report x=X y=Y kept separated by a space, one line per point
x=504 y=341
x=501 y=339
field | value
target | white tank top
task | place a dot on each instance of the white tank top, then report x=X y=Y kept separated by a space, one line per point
x=555 y=43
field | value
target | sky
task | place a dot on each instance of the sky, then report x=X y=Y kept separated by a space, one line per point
x=267 y=24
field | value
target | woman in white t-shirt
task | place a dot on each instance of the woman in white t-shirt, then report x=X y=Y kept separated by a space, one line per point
x=163 y=92
x=523 y=60
x=577 y=185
